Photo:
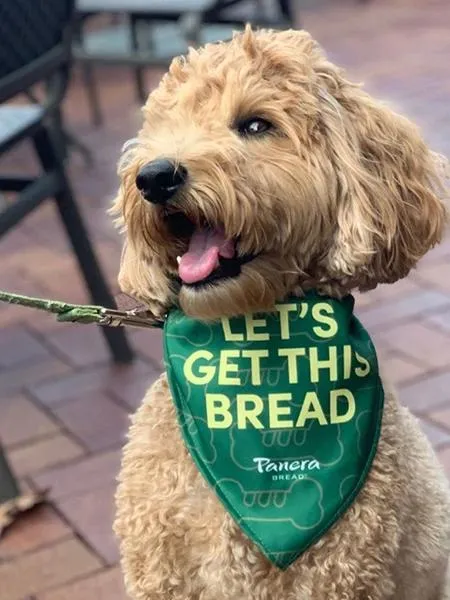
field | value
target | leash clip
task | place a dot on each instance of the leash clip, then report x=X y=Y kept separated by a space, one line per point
x=133 y=318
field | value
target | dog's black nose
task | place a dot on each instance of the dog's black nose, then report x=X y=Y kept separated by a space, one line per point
x=159 y=180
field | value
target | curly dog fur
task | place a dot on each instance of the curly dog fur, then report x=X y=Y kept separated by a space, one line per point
x=341 y=194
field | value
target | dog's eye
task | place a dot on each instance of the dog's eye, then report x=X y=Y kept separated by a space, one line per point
x=253 y=126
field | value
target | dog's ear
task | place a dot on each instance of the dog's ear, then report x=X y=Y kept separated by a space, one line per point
x=389 y=209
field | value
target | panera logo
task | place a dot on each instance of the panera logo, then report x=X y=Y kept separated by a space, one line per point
x=286 y=469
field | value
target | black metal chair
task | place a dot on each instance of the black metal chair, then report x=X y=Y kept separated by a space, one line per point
x=124 y=44
x=35 y=46
x=158 y=30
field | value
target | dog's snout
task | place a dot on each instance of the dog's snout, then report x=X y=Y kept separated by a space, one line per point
x=160 y=179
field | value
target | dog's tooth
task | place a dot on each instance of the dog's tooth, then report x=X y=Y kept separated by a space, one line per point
x=178 y=259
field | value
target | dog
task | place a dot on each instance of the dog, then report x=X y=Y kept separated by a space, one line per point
x=261 y=173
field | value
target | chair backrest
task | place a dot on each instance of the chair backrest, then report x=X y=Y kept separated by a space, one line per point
x=34 y=40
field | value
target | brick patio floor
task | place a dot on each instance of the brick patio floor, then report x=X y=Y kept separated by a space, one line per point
x=64 y=408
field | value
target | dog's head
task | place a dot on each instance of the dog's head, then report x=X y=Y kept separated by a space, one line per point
x=261 y=171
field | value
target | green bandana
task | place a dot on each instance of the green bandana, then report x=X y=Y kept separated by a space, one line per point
x=281 y=412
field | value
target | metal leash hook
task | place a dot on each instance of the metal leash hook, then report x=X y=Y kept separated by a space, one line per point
x=132 y=318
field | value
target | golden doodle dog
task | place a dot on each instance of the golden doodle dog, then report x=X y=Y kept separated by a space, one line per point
x=271 y=461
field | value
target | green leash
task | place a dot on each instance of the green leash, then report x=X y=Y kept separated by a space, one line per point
x=85 y=313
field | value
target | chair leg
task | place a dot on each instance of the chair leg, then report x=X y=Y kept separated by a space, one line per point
x=57 y=132
x=93 y=98
x=74 y=143
x=9 y=488
x=139 y=73
x=78 y=236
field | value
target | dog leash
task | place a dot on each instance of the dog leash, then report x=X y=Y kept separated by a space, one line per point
x=86 y=313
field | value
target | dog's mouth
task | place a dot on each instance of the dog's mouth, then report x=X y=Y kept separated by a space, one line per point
x=207 y=255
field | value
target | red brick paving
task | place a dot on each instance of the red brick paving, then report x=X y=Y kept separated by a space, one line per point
x=398 y=369
x=44 y=454
x=22 y=421
x=47 y=567
x=35 y=373
x=96 y=420
x=78 y=477
x=383 y=314
x=18 y=346
x=105 y=585
x=429 y=393
x=41 y=527
x=78 y=346
x=63 y=406
x=92 y=514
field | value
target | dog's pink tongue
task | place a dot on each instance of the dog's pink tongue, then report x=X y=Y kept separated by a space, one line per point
x=202 y=257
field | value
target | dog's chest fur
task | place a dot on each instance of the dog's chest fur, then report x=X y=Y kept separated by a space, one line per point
x=196 y=536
